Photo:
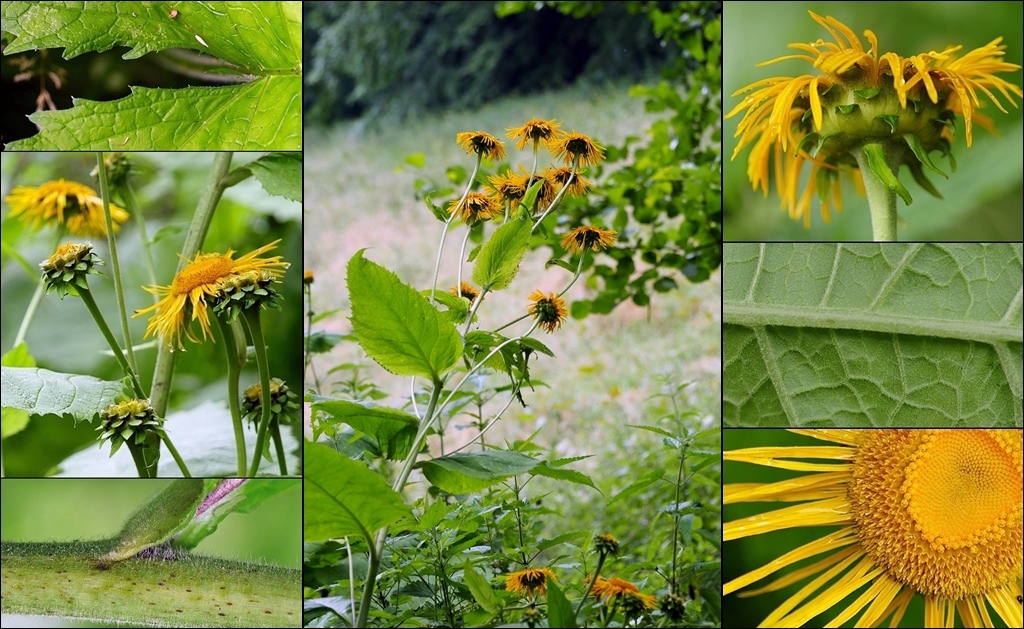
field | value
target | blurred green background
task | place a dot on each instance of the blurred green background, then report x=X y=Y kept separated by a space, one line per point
x=749 y=553
x=63 y=336
x=983 y=198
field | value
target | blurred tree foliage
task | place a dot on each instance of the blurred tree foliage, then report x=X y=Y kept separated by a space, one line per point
x=400 y=59
x=664 y=193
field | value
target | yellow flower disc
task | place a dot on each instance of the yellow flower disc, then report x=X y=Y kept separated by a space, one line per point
x=941 y=510
x=206 y=269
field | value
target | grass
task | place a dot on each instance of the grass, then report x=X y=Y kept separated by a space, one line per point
x=358 y=194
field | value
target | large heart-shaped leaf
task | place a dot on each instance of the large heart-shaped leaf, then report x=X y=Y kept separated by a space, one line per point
x=873 y=335
x=397 y=326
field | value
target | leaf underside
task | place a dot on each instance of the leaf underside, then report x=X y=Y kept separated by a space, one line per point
x=871 y=335
x=396 y=326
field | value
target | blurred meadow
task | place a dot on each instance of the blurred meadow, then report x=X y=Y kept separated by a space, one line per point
x=608 y=370
x=982 y=199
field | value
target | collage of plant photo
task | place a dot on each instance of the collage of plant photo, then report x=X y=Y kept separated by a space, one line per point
x=549 y=314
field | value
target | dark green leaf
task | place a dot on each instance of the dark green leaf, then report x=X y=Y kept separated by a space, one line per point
x=392 y=429
x=466 y=472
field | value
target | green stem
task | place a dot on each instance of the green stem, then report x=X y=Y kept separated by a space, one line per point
x=234 y=373
x=177 y=457
x=132 y=205
x=590 y=586
x=94 y=310
x=876 y=164
x=251 y=318
x=115 y=267
x=136 y=450
x=377 y=549
x=152 y=593
x=163 y=372
x=275 y=434
x=37 y=297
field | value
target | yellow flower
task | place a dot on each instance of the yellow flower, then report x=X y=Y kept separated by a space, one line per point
x=511 y=187
x=482 y=144
x=529 y=581
x=467 y=290
x=861 y=98
x=185 y=300
x=586 y=236
x=68 y=203
x=535 y=130
x=550 y=310
x=579 y=186
x=576 y=145
x=307 y=277
x=475 y=207
x=930 y=512
x=607 y=589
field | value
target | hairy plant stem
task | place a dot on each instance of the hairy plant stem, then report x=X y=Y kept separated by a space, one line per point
x=214 y=188
x=234 y=360
x=251 y=317
x=101 y=323
x=115 y=267
x=881 y=199
x=186 y=592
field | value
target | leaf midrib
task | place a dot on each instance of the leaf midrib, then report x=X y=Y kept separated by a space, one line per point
x=757 y=315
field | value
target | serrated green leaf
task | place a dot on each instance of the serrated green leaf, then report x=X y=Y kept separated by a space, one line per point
x=258 y=115
x=481 y=589
x=260 y=41
x=473 y=471
x=654 y=429
x=258 y=37
x=545 y=544
x=280 y=174
x=572 y=476
x=872 y=335
x=396 y=326
x=392 y=429
x=560 y=612
x=44 y=392
x=343 y=497
x=498 y=262
x=652 y=477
